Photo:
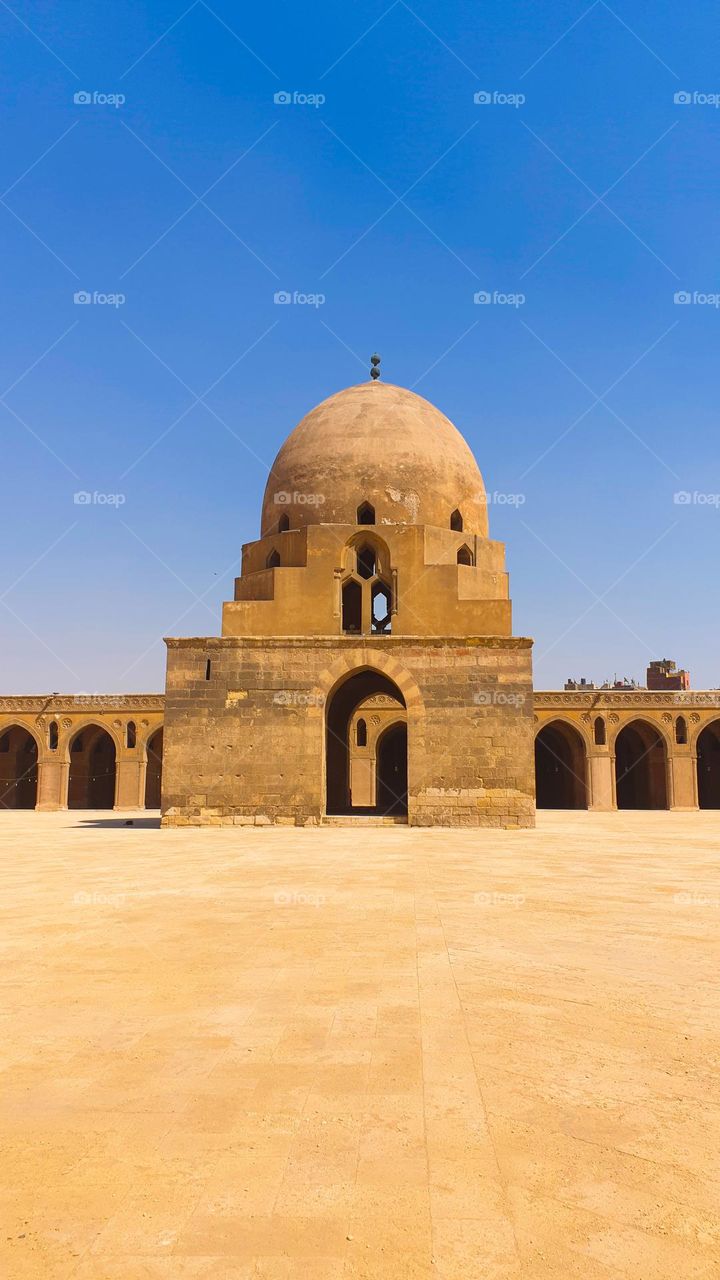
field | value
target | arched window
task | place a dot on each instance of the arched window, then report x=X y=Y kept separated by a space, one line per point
x=53 y=735
x=681 y=731
x=599 y=732
x=284 y=523
x=366 y=561
x=130 y=734
x=464 y=555
x=361 y=735
x=352 y=606
x=381 y=619
x=208 y=669
x=366 y=513
x=456 y=521
x=273 y=559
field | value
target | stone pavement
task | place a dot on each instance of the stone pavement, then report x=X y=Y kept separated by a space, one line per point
x=285 y=1054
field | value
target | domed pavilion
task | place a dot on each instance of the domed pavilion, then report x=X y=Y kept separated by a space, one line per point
x=367 y=670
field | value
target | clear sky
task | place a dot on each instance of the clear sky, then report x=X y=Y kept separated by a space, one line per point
x=589 y=406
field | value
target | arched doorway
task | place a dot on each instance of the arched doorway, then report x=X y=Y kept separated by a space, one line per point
x=640 y=767
x=560 y=767
x=708 y=766
x=390 y=761
x=91 y=784
x=153 y=773
x=18 y=769
x=392 y=774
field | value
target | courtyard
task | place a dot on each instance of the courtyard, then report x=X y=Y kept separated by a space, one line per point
x=361 y=1052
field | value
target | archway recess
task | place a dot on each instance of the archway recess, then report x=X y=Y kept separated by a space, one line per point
x=708 y=766
x=392 y=771
x=560 y=767
x=18 y=769
x=153 y=773
x=640 y=767
x=91 y=784
x=391 y=765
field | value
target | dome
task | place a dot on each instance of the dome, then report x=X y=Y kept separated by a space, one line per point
x=380 y=445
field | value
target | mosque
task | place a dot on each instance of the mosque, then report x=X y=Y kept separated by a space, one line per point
x=367 y=670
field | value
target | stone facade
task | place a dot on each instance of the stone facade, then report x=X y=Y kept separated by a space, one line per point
x=678 y=718
x=56 y=725
x=577 y=711
x=260 y=719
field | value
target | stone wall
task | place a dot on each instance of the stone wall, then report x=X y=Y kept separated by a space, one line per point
x=247 y=744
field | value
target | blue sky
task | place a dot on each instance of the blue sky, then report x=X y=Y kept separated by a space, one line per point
x=398 y=198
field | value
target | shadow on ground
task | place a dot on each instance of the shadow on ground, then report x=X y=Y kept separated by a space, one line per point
x=121 y=822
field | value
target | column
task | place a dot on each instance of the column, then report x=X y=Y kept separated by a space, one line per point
x=129 y=787
x=601 y=778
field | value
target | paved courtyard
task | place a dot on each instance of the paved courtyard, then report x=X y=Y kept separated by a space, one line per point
x=391 y=1053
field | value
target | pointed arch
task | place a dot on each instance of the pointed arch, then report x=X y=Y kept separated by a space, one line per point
x=19 y=750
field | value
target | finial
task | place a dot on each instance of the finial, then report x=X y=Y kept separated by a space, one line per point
x=375 y=369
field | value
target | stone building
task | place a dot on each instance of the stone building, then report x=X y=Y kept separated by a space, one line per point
x=60 y=751
x=366 y=669
x=366 y=665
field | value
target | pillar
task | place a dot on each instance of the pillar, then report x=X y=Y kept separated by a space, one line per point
x=129 y=784
x=52 y=791
x=602 y=790
x=683 y=778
